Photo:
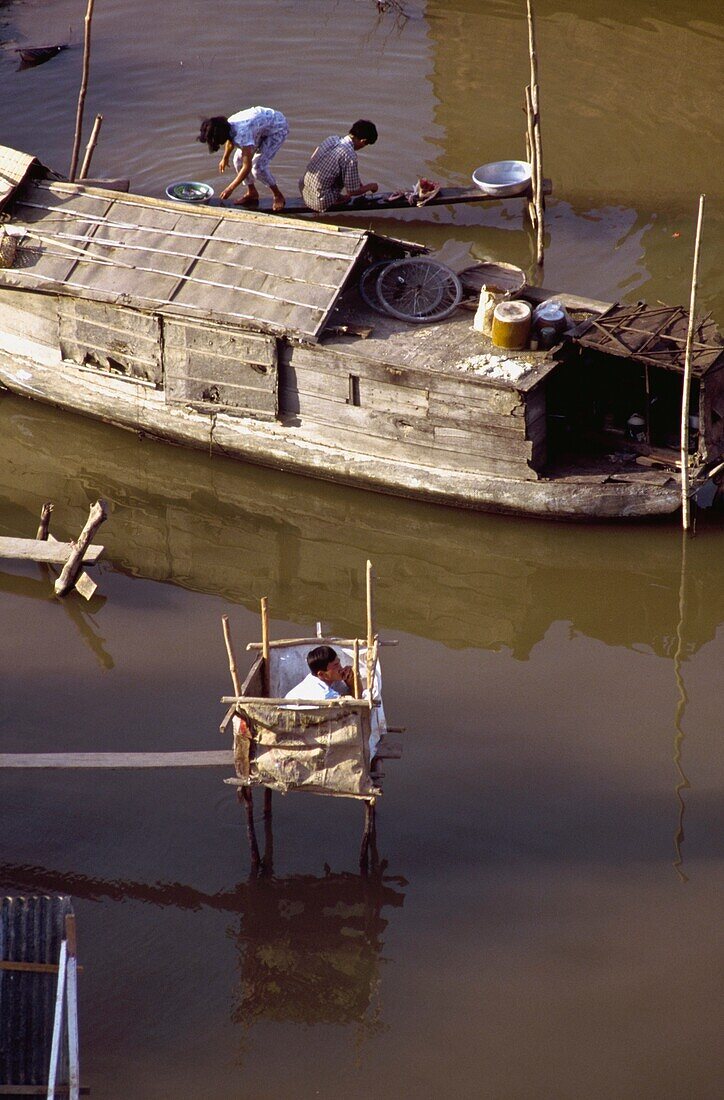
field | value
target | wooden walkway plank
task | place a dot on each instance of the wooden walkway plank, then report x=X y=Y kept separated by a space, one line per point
x=446 y=196
x=50 y=553
x=215 y=758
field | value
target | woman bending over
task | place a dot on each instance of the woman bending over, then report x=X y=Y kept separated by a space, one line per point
x=253 y=137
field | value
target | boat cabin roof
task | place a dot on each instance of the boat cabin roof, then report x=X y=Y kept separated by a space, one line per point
x=655 y=335
x=233 y=267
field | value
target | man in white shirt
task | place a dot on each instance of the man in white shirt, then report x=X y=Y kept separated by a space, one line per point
x=327 y=678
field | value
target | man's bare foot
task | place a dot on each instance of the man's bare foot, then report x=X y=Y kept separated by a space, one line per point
x=279 y=203
x=251 y=198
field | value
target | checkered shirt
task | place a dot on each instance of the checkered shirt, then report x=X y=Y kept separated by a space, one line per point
x=332 y=168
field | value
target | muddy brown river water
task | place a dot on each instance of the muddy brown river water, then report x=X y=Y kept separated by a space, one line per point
x=546 y=921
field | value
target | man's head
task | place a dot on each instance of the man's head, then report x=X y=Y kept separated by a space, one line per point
x=325 y=664
x=363 y=132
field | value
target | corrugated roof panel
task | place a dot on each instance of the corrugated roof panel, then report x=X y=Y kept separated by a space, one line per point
x=246 y=269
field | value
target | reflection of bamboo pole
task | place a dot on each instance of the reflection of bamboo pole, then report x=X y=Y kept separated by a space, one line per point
x=90 y=147
x=686 y=383
x=683 y=699
x=82 y=92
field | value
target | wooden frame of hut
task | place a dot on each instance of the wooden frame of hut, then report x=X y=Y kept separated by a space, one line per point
x=317 y=746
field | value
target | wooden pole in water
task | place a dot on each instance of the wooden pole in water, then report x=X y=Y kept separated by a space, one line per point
x=370 y=628
x=537 y=163
x=73 y=566
x=83 y=90
x=45 y=513
x=243 y=793
x=236 y=682
x=686 y=383
x=355 y=668
x=90 y=147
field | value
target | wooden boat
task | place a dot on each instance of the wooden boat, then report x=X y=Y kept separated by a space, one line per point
x=234 y=332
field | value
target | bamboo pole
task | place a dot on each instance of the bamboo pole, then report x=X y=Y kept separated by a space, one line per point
x=45 y=513
x=90 y=147
x=686 y=383
x=73 y=566
x=236 y=683
x=370 y=627
x=83 y=90
x=235 y=680
x=537 y=164
x=531 y=150
x=243 y=794
x=355 y=668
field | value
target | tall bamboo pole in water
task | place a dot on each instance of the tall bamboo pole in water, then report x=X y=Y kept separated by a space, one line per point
x=82 y=92
x=537 y=151
x=686 y=384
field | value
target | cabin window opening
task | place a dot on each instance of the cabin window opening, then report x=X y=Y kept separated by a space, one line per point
x=354 y=398
x=598 y=405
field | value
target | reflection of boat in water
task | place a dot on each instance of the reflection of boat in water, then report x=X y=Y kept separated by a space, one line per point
x=468 y=580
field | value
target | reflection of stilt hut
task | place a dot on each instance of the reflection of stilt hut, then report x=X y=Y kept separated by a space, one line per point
x=329 y=746
x=311 y=948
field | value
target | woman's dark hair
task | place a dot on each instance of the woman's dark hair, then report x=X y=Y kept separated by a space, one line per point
x=364 y=130
x=214 y=132
x=320 y=658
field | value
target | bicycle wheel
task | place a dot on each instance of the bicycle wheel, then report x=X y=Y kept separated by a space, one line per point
x=368 y=284
x=418 y=290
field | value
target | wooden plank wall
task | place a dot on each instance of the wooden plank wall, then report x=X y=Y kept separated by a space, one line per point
x=433 y=419
x=29 y=314
x=111 y=338
x=220 y=367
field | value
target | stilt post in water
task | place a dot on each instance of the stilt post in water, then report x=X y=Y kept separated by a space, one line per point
x=686 y=382
x=45 y=514
x=90 y=147
x=72 y=567
x=82 y=92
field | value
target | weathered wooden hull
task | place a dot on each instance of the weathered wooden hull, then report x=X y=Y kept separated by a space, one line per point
x=36 y=371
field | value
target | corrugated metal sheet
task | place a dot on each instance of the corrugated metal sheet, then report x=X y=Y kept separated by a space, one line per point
x=14 y=167
x=31 y=930
x=249 y=270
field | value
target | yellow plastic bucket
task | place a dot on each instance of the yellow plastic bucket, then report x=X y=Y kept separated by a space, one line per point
x=511 y=325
